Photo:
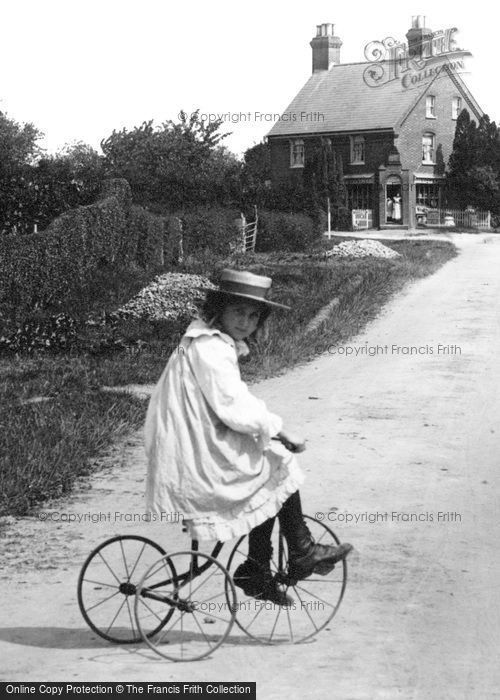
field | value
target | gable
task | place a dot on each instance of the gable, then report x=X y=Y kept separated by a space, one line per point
x=437 y=85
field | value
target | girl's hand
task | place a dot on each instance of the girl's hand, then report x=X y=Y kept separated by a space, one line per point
x=292 y=441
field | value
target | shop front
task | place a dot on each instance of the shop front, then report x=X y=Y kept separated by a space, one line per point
x=361 y=199
x=428 y=200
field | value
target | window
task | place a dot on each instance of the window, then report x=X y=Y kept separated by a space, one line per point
x=428 y=195
x=430 y=107
x=297 y=153
x=357 y=149
x=428 y=148
x=456 y=107
x=359 y=196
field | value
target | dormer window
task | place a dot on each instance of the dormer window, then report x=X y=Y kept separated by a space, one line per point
x=428 y=148
x=357 y=150
x=456 y=107
x=297 y=156
x=430 y=107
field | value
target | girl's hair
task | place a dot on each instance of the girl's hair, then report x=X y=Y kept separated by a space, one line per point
x=215 y=303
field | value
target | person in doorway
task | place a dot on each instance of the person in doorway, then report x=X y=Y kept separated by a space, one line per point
x=389 y=208
x=396 y=212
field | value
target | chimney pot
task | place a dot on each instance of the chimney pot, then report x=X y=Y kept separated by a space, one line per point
x=325 y=47
x=419 y=38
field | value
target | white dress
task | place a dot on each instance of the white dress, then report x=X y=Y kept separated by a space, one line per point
x=396 y=211
x=207 y=439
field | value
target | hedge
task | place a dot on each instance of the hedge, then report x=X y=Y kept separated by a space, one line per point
x=39 y=270
x=285 y=232
x=210 y=228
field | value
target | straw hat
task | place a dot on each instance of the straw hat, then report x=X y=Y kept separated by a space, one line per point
x=246 y=285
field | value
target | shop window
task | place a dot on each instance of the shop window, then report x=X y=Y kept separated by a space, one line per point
x=359 y=196
x=297 y=155
x=427 y=195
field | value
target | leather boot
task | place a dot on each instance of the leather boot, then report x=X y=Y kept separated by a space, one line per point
x=307 y=557
x=257 y=581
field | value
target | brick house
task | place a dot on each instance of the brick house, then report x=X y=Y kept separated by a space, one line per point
x=395 y=138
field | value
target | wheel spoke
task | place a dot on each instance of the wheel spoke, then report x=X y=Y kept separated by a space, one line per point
x=289 y=620
x=202 y=631
x=117 y=613
x=322 y=600
x=130 y=616
x=255 y=616
x=104 y=600
x=302 y=607
x=275 y=623
x=110 y=569
x=124 y=560
x=200 y=584
x=209 y=614
x=161 y=564
x=99 y=583
x=137 y=560
x=153 y=612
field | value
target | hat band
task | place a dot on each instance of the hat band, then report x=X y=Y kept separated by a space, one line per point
x=239 y=288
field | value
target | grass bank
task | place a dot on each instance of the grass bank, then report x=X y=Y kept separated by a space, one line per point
x=45 y=445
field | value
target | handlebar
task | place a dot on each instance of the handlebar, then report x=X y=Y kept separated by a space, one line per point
x=289 y=445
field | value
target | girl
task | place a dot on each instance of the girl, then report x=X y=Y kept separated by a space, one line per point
x=208 y=444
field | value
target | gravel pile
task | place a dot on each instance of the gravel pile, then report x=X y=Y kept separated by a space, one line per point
x=361 y=249
x=167 y=297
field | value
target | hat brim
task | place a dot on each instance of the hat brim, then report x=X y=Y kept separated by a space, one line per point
x=260 y=300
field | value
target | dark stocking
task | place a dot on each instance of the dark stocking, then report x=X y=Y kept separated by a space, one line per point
x=292 y=523
x=259 y=543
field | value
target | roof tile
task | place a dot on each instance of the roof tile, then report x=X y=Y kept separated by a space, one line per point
x=346 y=102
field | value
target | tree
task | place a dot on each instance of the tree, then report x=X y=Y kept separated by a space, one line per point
x=175 y=164
x=474 y=166
x=73 y=177
x=256 y=173
x=323 y=181
x=18 y=151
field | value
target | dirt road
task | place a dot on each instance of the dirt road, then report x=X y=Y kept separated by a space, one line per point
x=409 y=440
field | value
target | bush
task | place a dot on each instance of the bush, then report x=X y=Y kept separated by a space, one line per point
x=146 y=238
x=210 y=229
x=341 y=219
x=39 y=331
x=285 y=232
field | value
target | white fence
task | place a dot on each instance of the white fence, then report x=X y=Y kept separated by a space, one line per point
x=249 y=232
x=468 y=218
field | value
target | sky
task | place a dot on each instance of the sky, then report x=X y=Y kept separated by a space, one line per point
x=78 y=71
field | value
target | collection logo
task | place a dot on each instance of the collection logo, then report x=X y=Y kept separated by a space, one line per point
x=393 y=60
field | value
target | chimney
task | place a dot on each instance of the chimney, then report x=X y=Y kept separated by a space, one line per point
x=325 y=48
x=419 y=39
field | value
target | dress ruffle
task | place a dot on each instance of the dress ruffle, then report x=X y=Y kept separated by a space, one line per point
x=266 y=503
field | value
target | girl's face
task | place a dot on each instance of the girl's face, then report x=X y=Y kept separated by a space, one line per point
x=240 y=319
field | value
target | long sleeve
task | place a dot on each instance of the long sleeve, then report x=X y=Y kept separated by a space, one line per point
x=214 y=364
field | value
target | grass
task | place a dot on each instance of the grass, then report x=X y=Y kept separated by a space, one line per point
x=46 y=446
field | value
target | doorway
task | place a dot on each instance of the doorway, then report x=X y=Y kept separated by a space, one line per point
x=393 y=203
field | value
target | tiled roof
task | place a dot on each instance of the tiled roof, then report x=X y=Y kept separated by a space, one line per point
x=347 y=103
